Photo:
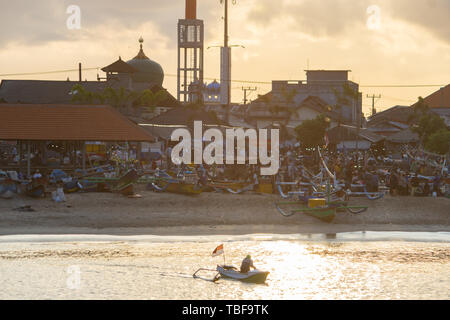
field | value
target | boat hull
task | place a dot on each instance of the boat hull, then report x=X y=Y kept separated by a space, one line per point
x=184 y=188
x=254 y=276
x=325 y=214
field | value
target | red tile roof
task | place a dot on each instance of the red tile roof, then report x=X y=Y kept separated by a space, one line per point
x=67 y=122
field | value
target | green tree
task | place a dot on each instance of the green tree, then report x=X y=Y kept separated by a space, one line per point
x=149 y=99
x=439 y=142
x=420 y=109
x=345 y=97
x=117 y=98
x=82 y=96
x=289 y=96
x=427 y=125
x=311 y=132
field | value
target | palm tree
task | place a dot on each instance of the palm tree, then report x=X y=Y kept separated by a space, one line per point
x=118 y=99
x=149 y=99
x=289 y=96
x=82 y=96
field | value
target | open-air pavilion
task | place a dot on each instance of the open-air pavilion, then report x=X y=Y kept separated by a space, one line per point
x=34 y=126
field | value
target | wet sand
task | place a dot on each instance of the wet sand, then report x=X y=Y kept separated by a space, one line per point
x=210 y=213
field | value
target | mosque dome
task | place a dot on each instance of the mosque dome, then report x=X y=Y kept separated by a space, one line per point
x=213 y=86
x=149 y=71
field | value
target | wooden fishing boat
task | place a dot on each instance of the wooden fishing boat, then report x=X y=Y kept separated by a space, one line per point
x=188 y=185
x=184 y=188
x=8 y=188
x=231 y=186
x=125 y=183
x=177 y=186
x=231 y=272
x=253 y=276
x=36 y=191
x=71 y=186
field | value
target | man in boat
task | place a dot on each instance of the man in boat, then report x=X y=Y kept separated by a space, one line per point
x=247 y=263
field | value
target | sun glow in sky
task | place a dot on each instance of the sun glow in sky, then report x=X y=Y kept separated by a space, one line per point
x=409 y=44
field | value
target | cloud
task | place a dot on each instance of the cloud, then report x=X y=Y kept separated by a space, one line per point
x=331 y=18
x=324 y=18
x=432 y=15
x=38 y=22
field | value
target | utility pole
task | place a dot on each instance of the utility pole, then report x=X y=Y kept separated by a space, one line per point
x=225 y=41
x=373 y=97
x=245 y=89
x=225 y=78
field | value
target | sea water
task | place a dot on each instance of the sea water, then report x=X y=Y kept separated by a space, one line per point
x=372 y=265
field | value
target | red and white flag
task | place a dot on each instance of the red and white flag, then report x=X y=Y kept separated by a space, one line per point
x=218 y=251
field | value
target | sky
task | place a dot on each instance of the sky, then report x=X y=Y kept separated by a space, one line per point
x=383 y=42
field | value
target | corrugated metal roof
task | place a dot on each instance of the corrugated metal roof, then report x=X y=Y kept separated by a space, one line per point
x=404 y=136
x=319 y=105
x=52 y=92
x=342 y=132
x=67 y=122
x=185 y=116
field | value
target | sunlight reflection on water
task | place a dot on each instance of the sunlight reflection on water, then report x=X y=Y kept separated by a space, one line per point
x=299 y=269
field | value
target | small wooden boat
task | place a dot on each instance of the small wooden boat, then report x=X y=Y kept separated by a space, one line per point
x=71 y=186
x=165 y=182
x=7 y=194
x=253 y=276
x=125 y=184
x=8 y=188
x=36 y=191
x=325 y=212
x=87 y=186
x=184 y=188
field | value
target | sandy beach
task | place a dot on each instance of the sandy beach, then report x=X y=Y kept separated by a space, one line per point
x=210 y=213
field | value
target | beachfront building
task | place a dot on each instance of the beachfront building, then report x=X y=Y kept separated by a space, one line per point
x=37 y=130
x=406 y=137
x=261 y=116
x=333 y=87
x=347 y=137
x=390 y=121
x=439 y=103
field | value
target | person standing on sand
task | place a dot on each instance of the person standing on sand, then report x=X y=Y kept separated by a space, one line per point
x=436 y=184
x=349 y=175
x=414 y=182
x=393 y=183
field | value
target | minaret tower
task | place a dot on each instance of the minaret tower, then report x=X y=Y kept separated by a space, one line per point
x=190 y=51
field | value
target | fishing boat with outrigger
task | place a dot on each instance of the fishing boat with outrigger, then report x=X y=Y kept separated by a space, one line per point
x=230 y=272
x=322 y=200
x=186 y=183
x=253 y=276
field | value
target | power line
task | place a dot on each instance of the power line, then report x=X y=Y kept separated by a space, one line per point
x=44 y=72
x=238 y=81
